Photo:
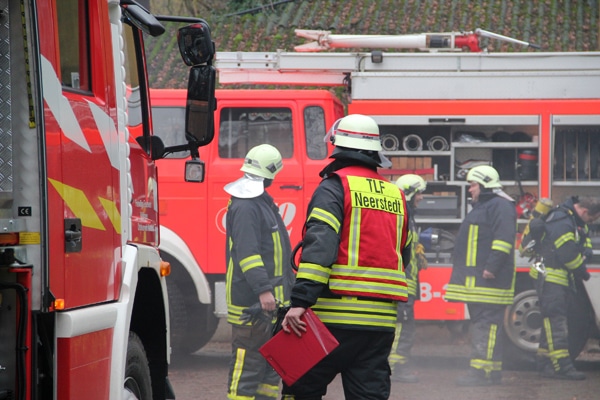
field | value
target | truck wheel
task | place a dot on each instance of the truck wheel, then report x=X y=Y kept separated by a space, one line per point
x=178 y=318
x=192 y=323
x=522 y=326
x=204 y=324
x=137 y=384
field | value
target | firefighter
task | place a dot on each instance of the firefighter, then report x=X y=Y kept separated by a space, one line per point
x=413 y=187
x=564 y=250
x=483 y=274
x=351 y=271
x=258 y=273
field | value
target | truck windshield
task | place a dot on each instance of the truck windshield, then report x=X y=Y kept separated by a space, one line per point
x=243 y=128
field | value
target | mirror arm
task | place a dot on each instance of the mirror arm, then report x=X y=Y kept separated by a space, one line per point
x=194 y=152
x=182 y=147
x=174 y=18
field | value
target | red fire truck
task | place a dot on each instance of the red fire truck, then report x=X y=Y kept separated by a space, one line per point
x=83 y=301
x=532 y=115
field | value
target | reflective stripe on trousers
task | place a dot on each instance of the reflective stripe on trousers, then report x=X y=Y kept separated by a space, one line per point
x=486 y=340
x=250 y=376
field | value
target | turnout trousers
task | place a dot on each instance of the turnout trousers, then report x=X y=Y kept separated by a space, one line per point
x=405 y=334
x=250 y=376
x=486 y=338
x=361 y=359
x=554 y=342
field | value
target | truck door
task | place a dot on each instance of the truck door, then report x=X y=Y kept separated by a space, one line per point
x=83 y=188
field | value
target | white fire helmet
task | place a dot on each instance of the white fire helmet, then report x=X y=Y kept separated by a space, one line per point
x=356 y=131
x=411 y=184
x=485 y=175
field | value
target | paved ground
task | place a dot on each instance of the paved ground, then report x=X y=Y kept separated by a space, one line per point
x=438 y=358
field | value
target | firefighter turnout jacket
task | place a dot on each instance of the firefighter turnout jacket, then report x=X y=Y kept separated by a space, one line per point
x=565 y=242
x=485 y=241
x=355 y=246
x=258 y=256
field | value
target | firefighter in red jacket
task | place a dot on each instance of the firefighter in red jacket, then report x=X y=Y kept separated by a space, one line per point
x=483 y=272
x=351 y=272
x=258 y=273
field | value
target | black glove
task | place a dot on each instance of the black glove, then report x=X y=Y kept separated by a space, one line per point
x=588 y=253
x=582 y=273
x=281 y=311
x=255 y=315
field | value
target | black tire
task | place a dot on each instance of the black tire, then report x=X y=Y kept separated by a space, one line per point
x=522 y=330
x=203 y=325
x=192 y=324
x=178 y=318
x=137 y=382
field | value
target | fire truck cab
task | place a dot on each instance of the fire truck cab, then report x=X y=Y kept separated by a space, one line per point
x=83 y=297
x=294 y=121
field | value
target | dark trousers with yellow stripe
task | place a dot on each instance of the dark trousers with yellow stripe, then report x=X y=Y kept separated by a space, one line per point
x=486 y=338
x=250 y=376
x=405 y=334
x=554 y=343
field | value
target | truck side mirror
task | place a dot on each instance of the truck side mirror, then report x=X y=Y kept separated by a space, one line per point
x=200 y=105
x=141 y=18
x=195 y=43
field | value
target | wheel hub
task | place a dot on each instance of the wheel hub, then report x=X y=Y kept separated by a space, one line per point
x=523 y=321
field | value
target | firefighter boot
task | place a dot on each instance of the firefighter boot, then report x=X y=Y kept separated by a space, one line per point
x=475 y=377
x=567 y=373
x=543 y=364
x=403 y=374
x=496 y=377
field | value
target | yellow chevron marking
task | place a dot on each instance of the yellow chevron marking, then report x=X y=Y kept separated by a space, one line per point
x=113 y=213
x=79 y=204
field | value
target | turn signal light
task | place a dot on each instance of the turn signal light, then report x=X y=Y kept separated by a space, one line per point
x=165 y=268
x=59 y=304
